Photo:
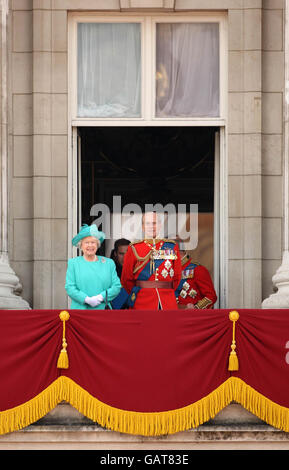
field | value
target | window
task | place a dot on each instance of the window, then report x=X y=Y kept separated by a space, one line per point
x=108 y=70
x=171 y=67
x=187 y=69
x=142 y=72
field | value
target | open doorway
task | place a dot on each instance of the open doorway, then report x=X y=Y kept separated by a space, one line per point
x=151 y=165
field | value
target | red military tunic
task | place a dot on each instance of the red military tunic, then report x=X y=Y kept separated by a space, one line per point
x=152 y=260
x=196 y=286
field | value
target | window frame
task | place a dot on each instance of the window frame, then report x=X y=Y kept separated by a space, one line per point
x=148 y=24
x=148 y=81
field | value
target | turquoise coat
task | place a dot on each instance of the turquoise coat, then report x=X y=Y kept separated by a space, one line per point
x=89 y=278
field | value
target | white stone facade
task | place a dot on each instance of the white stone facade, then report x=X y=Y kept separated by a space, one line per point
x=38 y=140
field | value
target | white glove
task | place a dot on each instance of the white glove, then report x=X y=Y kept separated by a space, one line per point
x=98 y=299
x=89 y=301
x=94 y=301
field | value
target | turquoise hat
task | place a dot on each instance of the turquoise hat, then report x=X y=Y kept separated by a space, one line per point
x=88 y=231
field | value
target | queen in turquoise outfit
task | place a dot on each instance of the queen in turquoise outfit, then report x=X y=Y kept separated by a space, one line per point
x=90 y=277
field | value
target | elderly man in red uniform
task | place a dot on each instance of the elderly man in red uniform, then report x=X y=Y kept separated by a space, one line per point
x=152 y=269
x=196 y=289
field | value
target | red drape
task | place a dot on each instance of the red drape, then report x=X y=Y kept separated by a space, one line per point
x=29 y=348
x=149 y=361
x=144 y=361
x=261 y=344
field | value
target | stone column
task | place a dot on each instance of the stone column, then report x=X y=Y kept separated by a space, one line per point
x=50 y=153
x=9 y=282
x=280 y=299
x=244 y=131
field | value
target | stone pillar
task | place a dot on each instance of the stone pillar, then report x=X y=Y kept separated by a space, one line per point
x=49 y=153
x=9 y=282
x=280 y=299
x=244 y=156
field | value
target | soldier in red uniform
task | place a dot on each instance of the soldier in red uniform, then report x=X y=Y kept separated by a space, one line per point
x=196 y=289
x=152 y=269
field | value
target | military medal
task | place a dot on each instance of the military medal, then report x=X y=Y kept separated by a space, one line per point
x=193 y=293
x=164 y=254
x=184 y=290
x=188 y=274
x=164 y=273
x=168 y=264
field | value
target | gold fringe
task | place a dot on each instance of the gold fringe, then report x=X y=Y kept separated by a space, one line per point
x=23 y=415
x=267 y=410
x=131 y=422
x=146 y=424
x=149 y=424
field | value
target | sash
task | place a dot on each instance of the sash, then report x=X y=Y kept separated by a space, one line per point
x=120 y=299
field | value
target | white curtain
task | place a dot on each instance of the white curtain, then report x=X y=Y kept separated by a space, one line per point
x=109 y=70
x=187 y=70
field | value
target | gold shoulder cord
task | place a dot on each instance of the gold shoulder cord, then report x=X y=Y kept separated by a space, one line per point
x=144 y=259
x=138 y=257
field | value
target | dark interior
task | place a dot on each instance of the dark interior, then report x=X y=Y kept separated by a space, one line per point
x=147 y=165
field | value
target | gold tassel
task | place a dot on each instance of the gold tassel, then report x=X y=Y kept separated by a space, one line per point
x=63 y=362
x=233 y=358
